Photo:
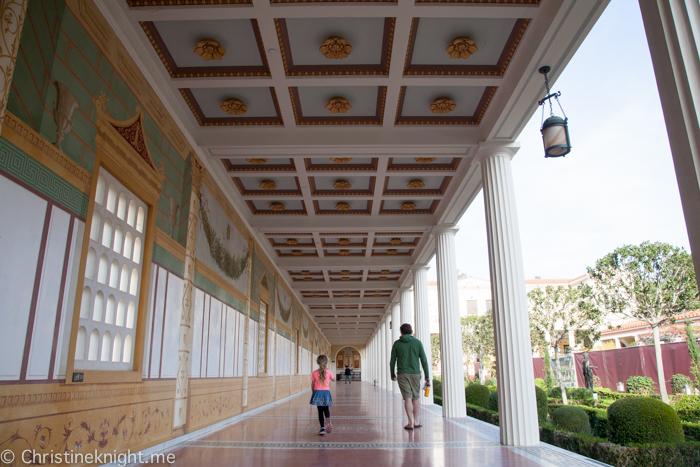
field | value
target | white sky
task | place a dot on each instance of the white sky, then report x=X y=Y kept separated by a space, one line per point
x=616 y=187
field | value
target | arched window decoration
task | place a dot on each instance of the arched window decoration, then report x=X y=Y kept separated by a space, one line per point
x=100 y=190
x=134 y=286
x=109 y=311
x=111 y=198
x=127 y=349
x=130 y=315
x=99 y=306
x=106 y=347
x=140 y=219
x=95 y=227
x=85 y=303
x=103 y=270
x=80 y=344
x=137 y=251
x=94 y=347
x=131 y=213
x=118 y=240
x=124 y=283
x=117 y=350
x=114 y=275
x=121 y=310
x=121 y=206
x=107 y=233
x=121 y=313
x=128 y=244
x=90 y=264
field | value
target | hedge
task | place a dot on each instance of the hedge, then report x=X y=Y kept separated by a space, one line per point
x=598 y=418
x=691 y=430
x=571 y=418
x=651 y=455
x=476 y=394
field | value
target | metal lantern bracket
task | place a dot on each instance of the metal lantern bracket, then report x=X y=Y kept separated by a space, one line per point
x=550 y=95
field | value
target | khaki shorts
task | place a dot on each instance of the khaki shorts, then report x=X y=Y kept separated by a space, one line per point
x=409 y=386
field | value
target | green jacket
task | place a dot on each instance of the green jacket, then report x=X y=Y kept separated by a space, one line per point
x=405 y=354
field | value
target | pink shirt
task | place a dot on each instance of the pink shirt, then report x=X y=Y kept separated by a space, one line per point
x=318 y=386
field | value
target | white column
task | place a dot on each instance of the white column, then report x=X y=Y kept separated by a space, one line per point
x=407 y=306
x=382 y=360
x=517 y=405
x=453 y=401
x=673 y=35
x=395 y=334
x=422 y=312
x=387 y=352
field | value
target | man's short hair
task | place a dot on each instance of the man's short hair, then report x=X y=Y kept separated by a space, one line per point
x=406 y=329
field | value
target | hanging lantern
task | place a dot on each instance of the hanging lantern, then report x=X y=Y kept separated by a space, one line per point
x=555 y=131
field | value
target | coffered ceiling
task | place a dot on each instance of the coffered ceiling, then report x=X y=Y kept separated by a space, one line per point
x=344 y=131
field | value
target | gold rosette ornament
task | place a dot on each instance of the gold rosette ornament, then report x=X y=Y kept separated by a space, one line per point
x=342 y=206
x=338 y=104
x=267 y=185
x=277 y=206
x=394 y=241
x=342 y=184
x=415 y=184
x=392 y=252
x=442 y=105
x=234 y=106
x=344 y=241
x=385 y=271
x=335 y=48
x=210 y=49
x=257 y=161
x=296 y=253
x=341 y=160
x=424 y=160
x=344 y=252
x=461 y=47
x=408 y=206
x=292 y=242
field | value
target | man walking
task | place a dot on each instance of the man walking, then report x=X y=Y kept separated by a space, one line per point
x=348 y=374
x=407 y=354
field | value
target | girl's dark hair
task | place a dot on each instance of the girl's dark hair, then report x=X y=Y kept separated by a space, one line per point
x=322 y=361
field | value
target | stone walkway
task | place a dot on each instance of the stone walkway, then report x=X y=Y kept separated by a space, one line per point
x=367 y=431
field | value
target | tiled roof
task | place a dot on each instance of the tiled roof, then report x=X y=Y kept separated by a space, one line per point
x=639 y=324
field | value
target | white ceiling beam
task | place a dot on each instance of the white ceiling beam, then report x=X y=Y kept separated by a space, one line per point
x=343 y=223
x=315 y=10
x=346 y=301
x=344 y=262
x=374 y=285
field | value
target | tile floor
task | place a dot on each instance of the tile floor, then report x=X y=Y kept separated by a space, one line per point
x=367 y=431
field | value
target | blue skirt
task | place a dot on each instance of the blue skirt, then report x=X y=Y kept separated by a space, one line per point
x=321 y=398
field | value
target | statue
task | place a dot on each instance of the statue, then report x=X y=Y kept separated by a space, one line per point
x=588 y=371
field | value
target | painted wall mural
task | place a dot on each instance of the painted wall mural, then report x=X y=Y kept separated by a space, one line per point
x=220 y=245
x=305 y=327
x=284 y=306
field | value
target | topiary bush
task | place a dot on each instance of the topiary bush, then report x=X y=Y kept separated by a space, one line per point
x=539 y=382
x=643 y=420
x=493 y=401
x=678 y=383
x=642 y=385
x=572 y=419
x=555 y=392
x=477 y=394
x=581 y=394
x=542 y=401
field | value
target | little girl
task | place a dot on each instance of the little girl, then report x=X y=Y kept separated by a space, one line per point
x=321 y=395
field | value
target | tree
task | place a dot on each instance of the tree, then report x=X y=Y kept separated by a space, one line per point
x=694 y=352
x=548 y=380
x=461 y=275
x=477 y=339
x=554 y=311
x=435 y=348
x=651 y=282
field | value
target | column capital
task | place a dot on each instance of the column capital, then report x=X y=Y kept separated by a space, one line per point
x=444 y=229
x=405 y=289
x=493 y=149
x=420 y=267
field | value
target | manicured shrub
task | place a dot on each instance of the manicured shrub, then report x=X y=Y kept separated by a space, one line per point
x=571 y=418
x=692 y=431
x=641 y=385
x=539 y=382
x=493 y=401
x=643 y=420
x=491 y=382
x=437 y=389
x=687 y=408
x=678 y=383
x=555 y=392
x=542 y=412
x=581 y=394
x=477 y=394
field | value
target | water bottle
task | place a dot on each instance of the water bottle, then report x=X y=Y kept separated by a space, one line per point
x=426 y=386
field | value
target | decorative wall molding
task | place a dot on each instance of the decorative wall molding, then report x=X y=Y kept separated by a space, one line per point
x=12 y=13
x=33 y=144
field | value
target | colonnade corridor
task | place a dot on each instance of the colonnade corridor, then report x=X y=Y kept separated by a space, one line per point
x=367 y=431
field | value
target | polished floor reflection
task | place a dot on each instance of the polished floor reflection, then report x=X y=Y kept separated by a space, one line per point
x=367 y=431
